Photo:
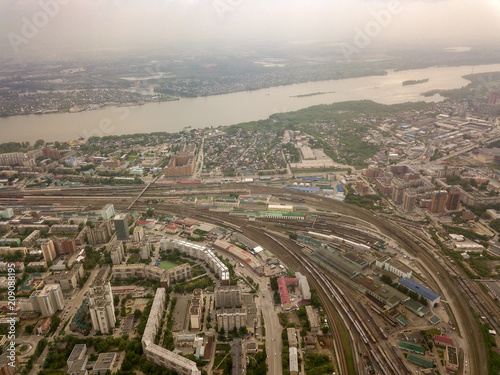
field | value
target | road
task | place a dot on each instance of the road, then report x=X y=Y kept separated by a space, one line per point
x=272 y=323
x=273 y=331
x=200 y=161
x=72 y=303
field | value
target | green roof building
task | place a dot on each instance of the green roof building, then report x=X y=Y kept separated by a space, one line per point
x=414 y=348
x=419 y=361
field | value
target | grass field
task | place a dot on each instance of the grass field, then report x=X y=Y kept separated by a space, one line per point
x=167 y=265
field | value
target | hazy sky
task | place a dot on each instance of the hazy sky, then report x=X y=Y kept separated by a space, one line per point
x=26 y=28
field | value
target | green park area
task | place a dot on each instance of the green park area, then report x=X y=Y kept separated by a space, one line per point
x=167 y=265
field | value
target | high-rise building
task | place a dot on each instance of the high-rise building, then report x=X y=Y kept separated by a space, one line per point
x=409 y=199
x=17 y=158
x=145 y=249
x=102 y=309
x=453 y=202
x=65 y=246
x=117 y=254
x=121 y=227
x=51 y=153
x=196 y=309
x=494 y=98
x=397 y=193
x=48 y=251
x=7 y=213
x=108 y=211
x=438 y=201
x=101 y=233
x=228 y=296
x=138 y=234
x=181 y=165
x=230 y=319
x=48 y=300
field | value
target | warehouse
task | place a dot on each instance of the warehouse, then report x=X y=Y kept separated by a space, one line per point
x=421 y=290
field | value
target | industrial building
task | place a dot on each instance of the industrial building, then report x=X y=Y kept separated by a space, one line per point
x=429 y=295
x=394 y=266
x=410 y=347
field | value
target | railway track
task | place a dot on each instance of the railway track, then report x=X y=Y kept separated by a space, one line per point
x=480 y=305
x=282 y=249
x=411 y=242
x=291 y=261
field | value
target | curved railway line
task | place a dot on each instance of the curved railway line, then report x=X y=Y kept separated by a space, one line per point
x=290 y=254
x=121 y=195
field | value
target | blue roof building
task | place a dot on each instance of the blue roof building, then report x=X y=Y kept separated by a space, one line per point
x=421 y=290
x=304 y=189
x=339 y=188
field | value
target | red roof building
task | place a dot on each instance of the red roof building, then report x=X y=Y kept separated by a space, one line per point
x=283 y=287
x=443 y=340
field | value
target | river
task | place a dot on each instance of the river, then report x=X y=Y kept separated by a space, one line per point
x=233 y=108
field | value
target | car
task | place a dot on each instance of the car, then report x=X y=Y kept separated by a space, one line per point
x=268 y=348
x=275 y=354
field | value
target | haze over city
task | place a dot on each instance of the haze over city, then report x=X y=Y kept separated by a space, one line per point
x=80 y=26
x=249 y=187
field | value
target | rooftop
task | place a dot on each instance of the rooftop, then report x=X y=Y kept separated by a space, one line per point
x=420 y=289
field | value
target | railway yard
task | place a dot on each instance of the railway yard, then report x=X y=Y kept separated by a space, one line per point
x=329 y=246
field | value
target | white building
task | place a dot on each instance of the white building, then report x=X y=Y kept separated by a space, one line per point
x=305 y=290
x=101 y=306
x=294 y=361
x=394 y=266
x=145 y=249
x=108 y=211
x=48 y=300
x=117 y=254
x=199 y=252
x=155 y=353
x=230 y=319
x=138 y=234
x=147 y=271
